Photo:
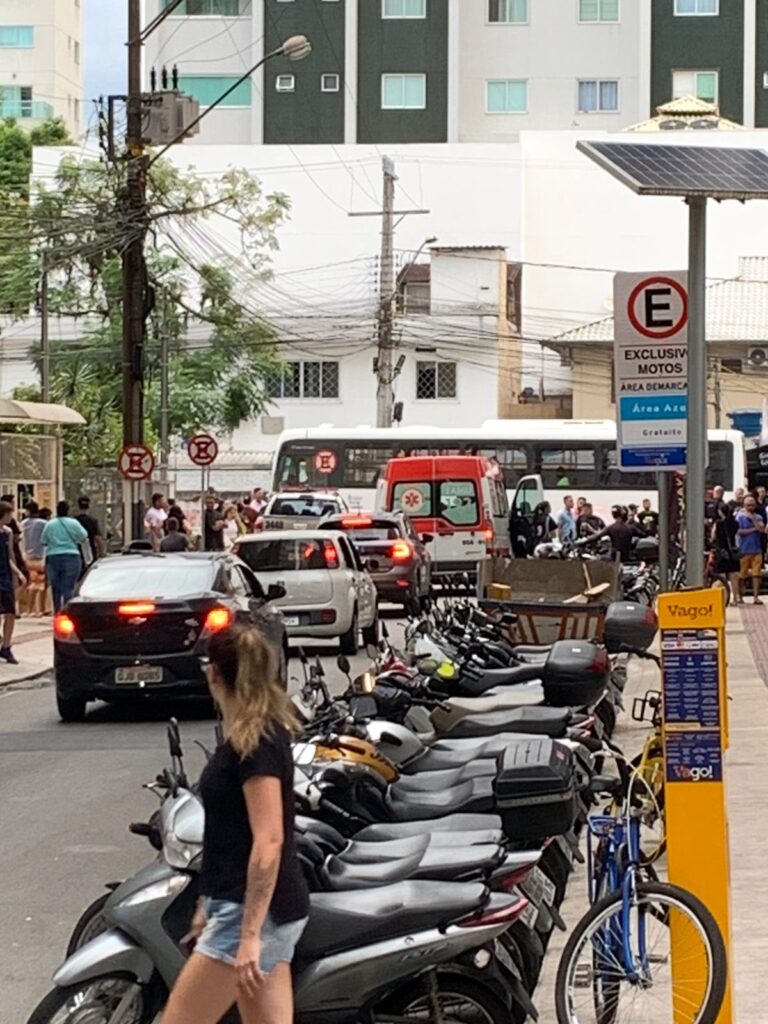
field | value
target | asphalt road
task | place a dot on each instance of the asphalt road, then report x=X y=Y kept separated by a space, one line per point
x=67 y=795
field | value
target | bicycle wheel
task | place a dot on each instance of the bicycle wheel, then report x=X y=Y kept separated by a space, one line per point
x=595 y=986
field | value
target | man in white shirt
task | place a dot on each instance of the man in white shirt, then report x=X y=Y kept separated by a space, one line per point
x=257 y=502
x=154 y=520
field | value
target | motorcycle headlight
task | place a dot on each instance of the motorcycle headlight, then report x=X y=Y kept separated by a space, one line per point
x=157 y=891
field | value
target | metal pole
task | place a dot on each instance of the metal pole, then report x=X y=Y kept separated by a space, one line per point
x=718 y=394
x=662 y=485
x=45 y=338
x=696 y=459
x=133 y=264
x=384 y=370
x=164 y=390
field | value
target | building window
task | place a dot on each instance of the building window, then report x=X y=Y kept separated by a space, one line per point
x=206 y=89
x=403 y=92
x=435 y=380
x=77 y=52
x=329 y=83
x=700 y=7
x=311 y=379
x=16 y=101
x=211 y=8
x=701 y=84
x=285 y=83
x=598 y=96
x=506 y=96
x=507 y=12
x=415 y=297
x=403 y=8
x=17 y=36
x=598 y=10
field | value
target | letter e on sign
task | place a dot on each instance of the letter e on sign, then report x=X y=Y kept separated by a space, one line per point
x=658 y=307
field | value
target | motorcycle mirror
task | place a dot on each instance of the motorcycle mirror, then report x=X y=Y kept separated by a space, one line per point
x=343 y=664
x=174 y=739
x=302 y=655
x=384 y=631
x=319 y=670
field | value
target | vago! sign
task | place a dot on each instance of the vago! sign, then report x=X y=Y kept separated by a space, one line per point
x=651 y=367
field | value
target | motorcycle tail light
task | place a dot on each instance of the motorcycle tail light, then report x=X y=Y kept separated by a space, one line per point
x=508 y=882
x=495 y=915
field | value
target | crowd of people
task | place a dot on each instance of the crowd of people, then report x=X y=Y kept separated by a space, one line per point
x=168 y=529
x=577 y=521
x=736 y=533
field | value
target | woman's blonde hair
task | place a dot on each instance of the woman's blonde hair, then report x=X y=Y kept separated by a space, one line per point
x=249 y=667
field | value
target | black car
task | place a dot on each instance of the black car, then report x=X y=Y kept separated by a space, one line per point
x=140 y=622
x=396 y=555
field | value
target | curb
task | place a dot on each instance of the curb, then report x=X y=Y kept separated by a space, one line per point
x=5 y=684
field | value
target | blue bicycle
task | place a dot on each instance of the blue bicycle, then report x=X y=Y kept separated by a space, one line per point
x=619 y=965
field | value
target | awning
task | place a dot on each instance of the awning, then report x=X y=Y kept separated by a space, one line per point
x=42 y=413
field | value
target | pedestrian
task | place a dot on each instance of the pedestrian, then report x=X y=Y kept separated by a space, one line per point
x=10 y=576
x=45 y=513
x=738 y=496
x=233 y=526
x=566 y=524
x=175 y=511
x=750 y=530
x=174 y=540
x=61 y=539
x=712 y=507
x=247 y=515
x=587 y=523
x=725 y=542
x=213 y=525
x=91 y=526
x=561 y=477
x=34 y=555
x=621 y=534
x=648 y=520
x=257 y=502
x=16 y=531
x=544 y=526
x=154 y=521
x=254 y=905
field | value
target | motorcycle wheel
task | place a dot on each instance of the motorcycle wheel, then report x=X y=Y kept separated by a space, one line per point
x=460 y=1001
x=90 y=924
x=95 y=1002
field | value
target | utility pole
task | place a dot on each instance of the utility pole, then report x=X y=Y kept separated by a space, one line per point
x=384 y=369
x=164 y=388
x=45 y=338
x=718 y=393
x=134 y=265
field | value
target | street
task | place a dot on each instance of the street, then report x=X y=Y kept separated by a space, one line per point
x=68 y=793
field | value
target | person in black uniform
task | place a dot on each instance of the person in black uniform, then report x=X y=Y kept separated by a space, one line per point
x=255 y=903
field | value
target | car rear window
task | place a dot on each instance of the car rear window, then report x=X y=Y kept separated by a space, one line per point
x=310 y=507
x=285 y=555
x=129 y=577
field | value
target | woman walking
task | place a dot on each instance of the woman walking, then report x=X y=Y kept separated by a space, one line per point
x=255 y=899
x=61 y=539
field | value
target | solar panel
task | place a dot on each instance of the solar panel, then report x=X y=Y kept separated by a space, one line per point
x=717 y=173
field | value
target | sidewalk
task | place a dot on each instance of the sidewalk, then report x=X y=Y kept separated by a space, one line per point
x=33 y=646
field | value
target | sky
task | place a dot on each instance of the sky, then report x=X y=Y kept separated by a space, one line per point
x=104 y=47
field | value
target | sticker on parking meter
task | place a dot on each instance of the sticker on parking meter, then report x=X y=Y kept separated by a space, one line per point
x=691 y=678
x=693 y=756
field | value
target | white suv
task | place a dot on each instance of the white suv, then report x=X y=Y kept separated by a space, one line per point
x=328 y=589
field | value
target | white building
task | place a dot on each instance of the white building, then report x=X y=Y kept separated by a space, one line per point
x=41 y=70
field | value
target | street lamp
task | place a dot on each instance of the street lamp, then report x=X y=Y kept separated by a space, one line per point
x=295 y=48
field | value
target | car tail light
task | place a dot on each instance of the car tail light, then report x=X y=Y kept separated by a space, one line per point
x=136 y=608
x=63 y=626
x=351 y=522
x=328 y=615
x=217 y=619
x=329 y=553
x=495 y=915
x=401 y=551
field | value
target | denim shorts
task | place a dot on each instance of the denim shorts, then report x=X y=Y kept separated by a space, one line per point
x=221 y=937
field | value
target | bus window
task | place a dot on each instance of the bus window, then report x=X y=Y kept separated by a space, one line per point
x=611 y=477
x=458 y=502
x=363 y=465
x=515 y=462
x=566 y=467
x=305 y=466
x=720 y=468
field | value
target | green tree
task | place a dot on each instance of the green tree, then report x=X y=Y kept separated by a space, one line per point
x=221 y=352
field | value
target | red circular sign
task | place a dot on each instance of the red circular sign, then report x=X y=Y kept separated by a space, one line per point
x=136 y=462
x=646 y=330
x=326 y=461
x=202 y=449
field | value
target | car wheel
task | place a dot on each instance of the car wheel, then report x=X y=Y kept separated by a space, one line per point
x=371 y=633
x=348 y=640
x=71 y=709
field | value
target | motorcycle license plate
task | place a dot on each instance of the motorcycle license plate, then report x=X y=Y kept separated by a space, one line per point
x=291 y=620
x=135 y=674
x=538 y=888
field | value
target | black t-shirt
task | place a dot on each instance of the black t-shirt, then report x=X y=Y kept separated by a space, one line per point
x=91 y=527
x=621 y=535
x=228 y=839
x=174 y=541
x=214 y=539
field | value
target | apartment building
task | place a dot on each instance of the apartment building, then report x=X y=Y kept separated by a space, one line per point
x=41 y=65
x=396 y=71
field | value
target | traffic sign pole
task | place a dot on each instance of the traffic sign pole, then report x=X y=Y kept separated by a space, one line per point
x=696 y=461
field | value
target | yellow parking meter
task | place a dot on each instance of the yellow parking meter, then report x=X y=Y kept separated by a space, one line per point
x=695 y=732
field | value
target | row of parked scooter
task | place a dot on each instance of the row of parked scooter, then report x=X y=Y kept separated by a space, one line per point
x=439 y=804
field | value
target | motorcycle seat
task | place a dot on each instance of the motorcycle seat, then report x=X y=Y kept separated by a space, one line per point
x=359 y=852
x=339 y=875
x=472 y=795
x=447 y=753
x=447 y=777
x=465 y=824
x=536 y=721
x=436 y=861
x=477 y=681
x=349 y=920
x=498 y=700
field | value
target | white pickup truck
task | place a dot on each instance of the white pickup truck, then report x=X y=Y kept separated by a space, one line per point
x=300 y=510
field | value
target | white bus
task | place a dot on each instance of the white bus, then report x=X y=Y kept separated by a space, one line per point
x=577 y=456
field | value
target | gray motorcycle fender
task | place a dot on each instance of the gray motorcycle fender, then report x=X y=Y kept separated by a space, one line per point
x=111 y=952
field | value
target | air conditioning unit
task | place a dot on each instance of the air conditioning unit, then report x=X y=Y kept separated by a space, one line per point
x=757 y=360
